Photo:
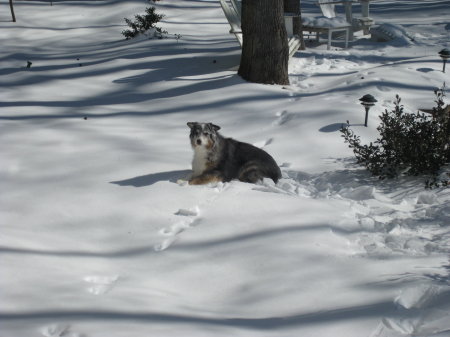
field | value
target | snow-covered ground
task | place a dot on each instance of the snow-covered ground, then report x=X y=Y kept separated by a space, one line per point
x=97 y=237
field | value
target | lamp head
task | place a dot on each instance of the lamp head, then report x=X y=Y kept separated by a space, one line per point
x=444 y=54
x=368 y=100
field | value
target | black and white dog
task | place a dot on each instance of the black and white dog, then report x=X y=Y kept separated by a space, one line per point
x=222 y=159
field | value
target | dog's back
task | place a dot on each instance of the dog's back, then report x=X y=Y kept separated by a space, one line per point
x=247 y=163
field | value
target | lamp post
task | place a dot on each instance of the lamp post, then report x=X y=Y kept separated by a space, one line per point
x=444 y=54
x=367 y=101
x=11 y=6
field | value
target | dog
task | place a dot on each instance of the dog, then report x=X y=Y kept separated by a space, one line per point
x=219 y=159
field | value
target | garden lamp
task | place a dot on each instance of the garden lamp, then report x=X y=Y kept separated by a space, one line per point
x=444 y=54
x=367 y=101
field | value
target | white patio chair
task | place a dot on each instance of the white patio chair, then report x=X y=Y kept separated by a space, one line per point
x=234 y=19
x=232 y=11
x=359 y=22
x=330 y=19
x=327 y=23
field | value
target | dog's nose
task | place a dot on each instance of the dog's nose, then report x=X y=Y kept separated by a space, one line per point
x=199 y=142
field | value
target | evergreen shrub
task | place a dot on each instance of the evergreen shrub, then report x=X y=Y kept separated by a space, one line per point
x=408 y=143
x=143 y=23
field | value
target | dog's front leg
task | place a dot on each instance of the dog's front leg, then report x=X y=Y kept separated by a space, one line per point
x=205 y=178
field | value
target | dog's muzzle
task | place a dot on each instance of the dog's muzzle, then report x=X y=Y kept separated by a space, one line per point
x=199 y=142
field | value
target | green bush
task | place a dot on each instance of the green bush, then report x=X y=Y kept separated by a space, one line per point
x=409 y=144
x=142 y=23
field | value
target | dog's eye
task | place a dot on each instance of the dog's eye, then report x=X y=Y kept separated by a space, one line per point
x=206 y=134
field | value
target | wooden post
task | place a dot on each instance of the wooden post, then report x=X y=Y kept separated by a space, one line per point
x=294 y=6
x=12 y=10
x=365 y=8
x=349 y=16
x=348 y=11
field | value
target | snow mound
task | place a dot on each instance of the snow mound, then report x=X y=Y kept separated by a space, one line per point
x=386 y=223
x=388 y=32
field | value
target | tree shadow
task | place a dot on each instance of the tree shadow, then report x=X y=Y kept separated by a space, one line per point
x=265 y=323
x=336 y=127
x=332 y=127
x=150 y=179
x=170 y=62
x=124 y=253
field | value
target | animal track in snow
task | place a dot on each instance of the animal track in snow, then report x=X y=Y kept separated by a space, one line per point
x=172 y=231
x=263 y=143
x=282 y=118
x=188 y=212
x=59 y=330
x=383 y=88
x=284 y=186
x=408 y=320
x=292 y=94
x=189 y=218
x=164 y=244
x=54 y=330
x=417 y=296
x=176 y=228
x=100 y=285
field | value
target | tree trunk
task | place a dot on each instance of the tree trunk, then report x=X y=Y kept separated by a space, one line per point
x=12 y=10
x=265 y=53
x=294 y=6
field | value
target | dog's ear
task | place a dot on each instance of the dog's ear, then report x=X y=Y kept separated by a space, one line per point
x=191 y=124
x=215 y=127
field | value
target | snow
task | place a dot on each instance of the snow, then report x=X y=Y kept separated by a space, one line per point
x=323 y=21
x=99 y=237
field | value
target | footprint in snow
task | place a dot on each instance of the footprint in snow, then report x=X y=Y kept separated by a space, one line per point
x=409 y=320
x=54 y=330
x=189 y=218
x=59 y=330
x=263 y=143
x=291 y=94
x=164 y=244
x=100 y=285
x=188 y=212
x=383 y=88
x=282 y=118
x=178 y=227
x=417 y=296
x=284 y=186
x=172 y=231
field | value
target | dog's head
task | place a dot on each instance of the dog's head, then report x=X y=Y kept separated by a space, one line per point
x=203 y=134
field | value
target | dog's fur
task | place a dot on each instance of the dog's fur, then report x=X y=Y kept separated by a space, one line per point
x=219 y=159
